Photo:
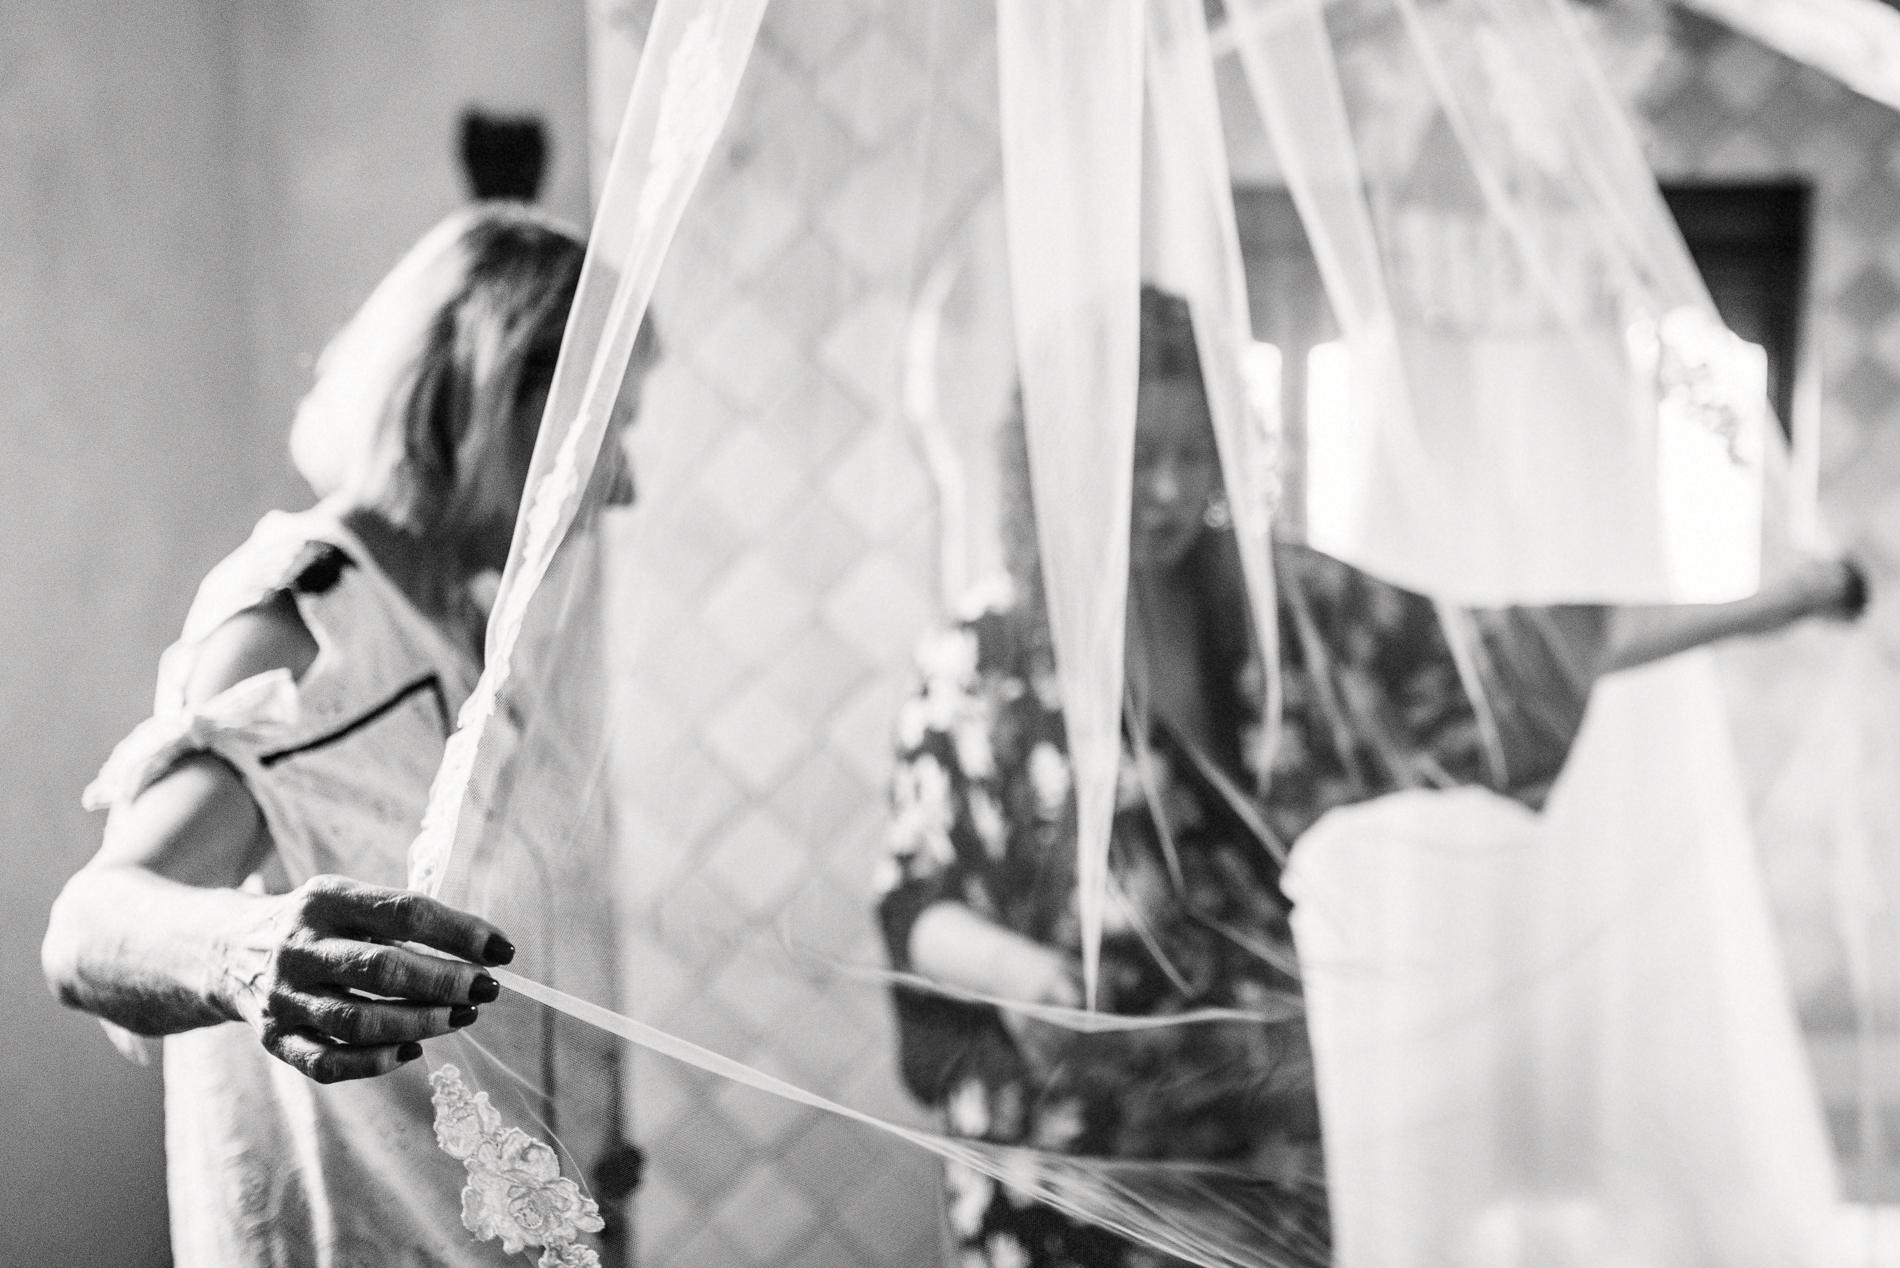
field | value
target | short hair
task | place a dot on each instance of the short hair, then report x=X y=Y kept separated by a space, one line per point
x=418 y=398
x=1168 y=350
x=458 y=412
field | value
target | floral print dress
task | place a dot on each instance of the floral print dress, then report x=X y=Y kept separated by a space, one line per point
x=983 y=815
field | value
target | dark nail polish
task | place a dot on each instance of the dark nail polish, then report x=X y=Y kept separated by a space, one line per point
x=409 y=1051
x=498 y=950
x=462 y=1015
x=484 y=990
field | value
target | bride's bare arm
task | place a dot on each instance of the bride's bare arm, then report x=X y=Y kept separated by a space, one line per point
x=1640 y=635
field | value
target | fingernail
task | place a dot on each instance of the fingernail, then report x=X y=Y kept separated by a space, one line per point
x=409 y=1051
x=462 y=1015
x=498 y=950
x=484 y=990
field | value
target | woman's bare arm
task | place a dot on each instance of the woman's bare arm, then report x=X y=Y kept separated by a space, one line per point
x=1640 y=635
x=953 y=945
x=153 y=934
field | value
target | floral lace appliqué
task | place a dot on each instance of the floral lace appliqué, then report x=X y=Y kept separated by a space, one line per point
x=515 y=1189
x=691 y=114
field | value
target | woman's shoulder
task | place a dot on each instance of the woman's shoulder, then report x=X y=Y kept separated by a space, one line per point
x=253 y=612
x=287 y=551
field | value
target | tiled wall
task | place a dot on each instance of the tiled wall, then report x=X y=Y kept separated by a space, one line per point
x=772 y=585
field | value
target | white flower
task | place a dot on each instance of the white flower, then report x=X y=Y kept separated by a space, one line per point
x=1007 y=1252
x=987 y=817
x=913 y=723
x=1049 y=776
x=921 y=812
x=1058 y=1125
x=1019 y=1178
x=516 y=1192
x=972 y=736
x=515 y=1188
x=568 y=1255
x=994 y=593
x=948 y=655
x=462 y=1121
x=691 y=114
x=944 y=704
x=971 y=1193
x=968 y=1109
x=1048 y=689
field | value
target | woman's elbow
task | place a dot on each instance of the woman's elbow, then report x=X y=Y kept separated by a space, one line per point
x=61 y=950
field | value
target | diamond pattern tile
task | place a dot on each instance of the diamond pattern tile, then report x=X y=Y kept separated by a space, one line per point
x=829 y=1162
x=712 y=1247
x=693 y=669
x=876 y=88
x=861 y=733
x=808 y=285
x=757 y=861
x=829 y=1249
x=817 y=671
x=768 y=1216
x=746 y=353
x=818 y=410
x=818 y=798
x=755 y=607
x=690 y=793
x=669 y=1214
x=750 y=481
x=881 y=608
x=771 y=1121
x=814 y=33
x=757 y=738
x=767 y=598
x=880 y=484
x=873 y=218
x=709 y=1153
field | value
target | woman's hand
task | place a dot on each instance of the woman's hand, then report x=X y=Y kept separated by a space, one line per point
x=953 y=945
x=319 y=975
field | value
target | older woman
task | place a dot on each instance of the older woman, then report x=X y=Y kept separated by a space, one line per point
x=245 y=903
x=979 y=886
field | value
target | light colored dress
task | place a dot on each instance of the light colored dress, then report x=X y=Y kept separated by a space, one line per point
x=265 y=1166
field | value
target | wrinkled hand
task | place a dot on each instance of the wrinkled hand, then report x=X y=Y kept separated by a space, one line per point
x=320 y=979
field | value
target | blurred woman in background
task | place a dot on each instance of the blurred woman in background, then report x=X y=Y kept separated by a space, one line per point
x=979 y=892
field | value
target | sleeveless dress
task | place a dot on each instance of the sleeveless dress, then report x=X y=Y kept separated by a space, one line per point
x=267 y=1168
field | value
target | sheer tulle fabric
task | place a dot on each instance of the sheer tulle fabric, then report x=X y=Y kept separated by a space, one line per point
x=1071 y=75
x=561 y=749
x=1544 y=407
x=558 y=727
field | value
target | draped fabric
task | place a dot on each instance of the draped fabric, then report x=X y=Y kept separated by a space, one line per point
x=1544 y=406
x=1562 y=424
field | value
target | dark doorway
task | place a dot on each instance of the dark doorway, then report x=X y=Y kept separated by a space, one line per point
x=1750 y=241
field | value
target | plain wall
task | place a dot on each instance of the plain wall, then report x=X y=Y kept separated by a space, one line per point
x=194 y=194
